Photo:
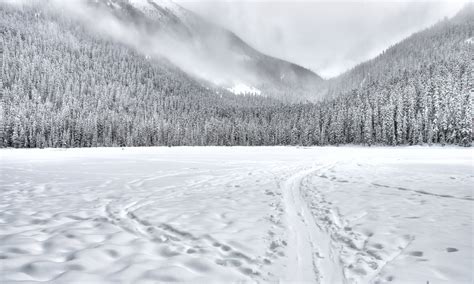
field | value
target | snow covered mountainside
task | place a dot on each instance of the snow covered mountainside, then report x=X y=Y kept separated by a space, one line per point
x=72 y=79
x=418 y=54
x=217 y=55
x=240 y=214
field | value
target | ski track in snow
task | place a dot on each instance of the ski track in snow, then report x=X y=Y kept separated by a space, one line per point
x=272 y=214
x=301 y=262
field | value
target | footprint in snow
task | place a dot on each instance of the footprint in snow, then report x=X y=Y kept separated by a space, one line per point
x=416 y=253
x=378 y=246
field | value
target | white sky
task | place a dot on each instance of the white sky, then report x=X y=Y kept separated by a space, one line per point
x=328 y=37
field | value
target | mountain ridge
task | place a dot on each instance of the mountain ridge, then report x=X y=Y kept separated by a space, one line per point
x=394 y=59
x=247 y=65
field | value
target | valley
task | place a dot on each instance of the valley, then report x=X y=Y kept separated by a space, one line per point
x=143 y=143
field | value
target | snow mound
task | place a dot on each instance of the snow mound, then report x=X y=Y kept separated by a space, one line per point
x=242 y=89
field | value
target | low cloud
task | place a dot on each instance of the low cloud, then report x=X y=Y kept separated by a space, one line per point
x=207 y=59
x=327 y=37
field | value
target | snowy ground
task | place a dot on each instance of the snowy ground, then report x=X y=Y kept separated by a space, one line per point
x=325 y=215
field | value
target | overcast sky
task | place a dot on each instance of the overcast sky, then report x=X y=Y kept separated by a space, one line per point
x=329 y=37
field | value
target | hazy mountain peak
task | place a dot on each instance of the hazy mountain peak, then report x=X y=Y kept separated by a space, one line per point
x=211 y=52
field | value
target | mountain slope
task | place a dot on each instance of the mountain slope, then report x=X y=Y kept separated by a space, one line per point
x=226 y=59
x=445 y=41
x=63 y=85
x=418 y=91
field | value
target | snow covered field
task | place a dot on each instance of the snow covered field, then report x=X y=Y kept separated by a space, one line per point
x=215 y=214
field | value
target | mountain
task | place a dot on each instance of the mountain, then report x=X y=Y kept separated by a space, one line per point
x=74 y=79
x=448 y=40
x=226 y=59
x=417 y=91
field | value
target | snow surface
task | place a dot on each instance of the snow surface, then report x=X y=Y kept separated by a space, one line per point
x=243 y=89
x=217 y=214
